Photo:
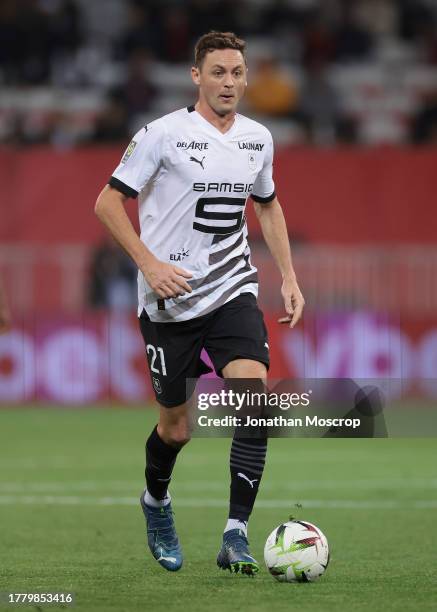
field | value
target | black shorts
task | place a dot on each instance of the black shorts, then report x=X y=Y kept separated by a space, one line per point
x=235 y=330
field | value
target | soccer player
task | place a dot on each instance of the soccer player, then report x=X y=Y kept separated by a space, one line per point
x=193 y=171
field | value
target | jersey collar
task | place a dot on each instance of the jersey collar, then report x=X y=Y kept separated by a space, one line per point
x=198 y=118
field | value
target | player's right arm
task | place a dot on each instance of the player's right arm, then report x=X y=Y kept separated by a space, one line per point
x=139 y=163
x=166 y=280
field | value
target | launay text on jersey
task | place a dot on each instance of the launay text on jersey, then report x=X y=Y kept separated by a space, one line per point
x=252 y=146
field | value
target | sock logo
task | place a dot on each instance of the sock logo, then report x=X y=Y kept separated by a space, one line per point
x=241 y=475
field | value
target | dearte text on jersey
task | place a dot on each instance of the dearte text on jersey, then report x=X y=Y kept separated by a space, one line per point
x=198 y=146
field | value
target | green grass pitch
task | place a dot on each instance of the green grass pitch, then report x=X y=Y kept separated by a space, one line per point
x=70 y=518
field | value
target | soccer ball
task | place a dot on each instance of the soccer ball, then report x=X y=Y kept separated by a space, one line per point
x=296 y=551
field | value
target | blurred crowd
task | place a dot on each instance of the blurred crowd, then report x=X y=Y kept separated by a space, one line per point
x=112 y=278
x=321 y=71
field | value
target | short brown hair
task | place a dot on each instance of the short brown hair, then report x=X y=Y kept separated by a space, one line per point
x=217 y=40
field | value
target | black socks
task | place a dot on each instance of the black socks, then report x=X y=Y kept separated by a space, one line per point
x=246 y=464
x=160 y=460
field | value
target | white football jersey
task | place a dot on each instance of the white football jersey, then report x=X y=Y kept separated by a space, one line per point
x=192 y=184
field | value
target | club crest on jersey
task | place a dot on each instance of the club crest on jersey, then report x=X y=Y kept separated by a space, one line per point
x=129 y=151
x=252 y=161
x=180 y=255
x=252 y=146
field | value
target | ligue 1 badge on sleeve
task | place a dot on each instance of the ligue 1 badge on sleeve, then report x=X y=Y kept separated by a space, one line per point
x=252 y=161
x=129 y=151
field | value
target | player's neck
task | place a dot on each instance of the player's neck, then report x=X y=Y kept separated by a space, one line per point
x=222 y=123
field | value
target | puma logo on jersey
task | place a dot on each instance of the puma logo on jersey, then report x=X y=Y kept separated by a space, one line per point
x=241 y=475
x=198 y=161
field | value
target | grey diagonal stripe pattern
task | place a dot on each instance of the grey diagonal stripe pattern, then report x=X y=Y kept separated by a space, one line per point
x=221 y=237
x=218 y=256
x=201 y=289
x=221 y=299
x=216 y=274
x=246 y=268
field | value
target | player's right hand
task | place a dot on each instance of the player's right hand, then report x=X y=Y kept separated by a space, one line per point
x=166 y=280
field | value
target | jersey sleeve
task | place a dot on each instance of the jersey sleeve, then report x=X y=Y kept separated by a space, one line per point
x=140 y=161
x=264 y=187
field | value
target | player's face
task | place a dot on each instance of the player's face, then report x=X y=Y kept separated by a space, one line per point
x=221 y=79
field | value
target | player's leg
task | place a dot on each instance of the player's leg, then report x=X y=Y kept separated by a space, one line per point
x=248 y=452
x=162 y=449
x=173 y=353
x=238 y=348
x=246 y=463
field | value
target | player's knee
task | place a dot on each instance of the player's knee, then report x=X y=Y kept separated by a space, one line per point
x=175 y=435
x=179 y=437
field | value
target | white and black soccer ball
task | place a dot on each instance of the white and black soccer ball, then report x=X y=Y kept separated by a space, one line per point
x=296 y=551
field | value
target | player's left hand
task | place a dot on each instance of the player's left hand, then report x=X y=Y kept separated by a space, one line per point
x=293 y=302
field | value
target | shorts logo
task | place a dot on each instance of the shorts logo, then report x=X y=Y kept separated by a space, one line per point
x=129 y=151
x=156 y=385
x=252 y=161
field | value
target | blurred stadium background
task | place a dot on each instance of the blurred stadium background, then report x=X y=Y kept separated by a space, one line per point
x=349 y=91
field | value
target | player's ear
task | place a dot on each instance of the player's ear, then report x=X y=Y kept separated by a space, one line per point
x=195 y=75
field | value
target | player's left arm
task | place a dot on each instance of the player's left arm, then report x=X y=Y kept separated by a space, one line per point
x=274 y=230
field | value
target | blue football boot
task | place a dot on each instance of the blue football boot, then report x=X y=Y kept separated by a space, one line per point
x=161 y=536
x=234 y=554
